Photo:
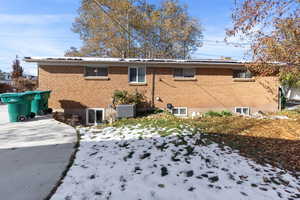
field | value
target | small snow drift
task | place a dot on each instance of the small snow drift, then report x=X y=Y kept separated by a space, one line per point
x=137 y=163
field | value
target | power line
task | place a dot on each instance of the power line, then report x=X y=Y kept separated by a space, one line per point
x=113 y=19
x=67 y=39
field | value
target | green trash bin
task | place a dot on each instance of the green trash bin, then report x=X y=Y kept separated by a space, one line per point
x=29 y=96
x=18 y=106
x=39 y=104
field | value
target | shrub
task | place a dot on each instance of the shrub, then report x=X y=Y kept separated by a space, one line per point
x=212 y=114
x=124 y=97
x=226 y=113
x=223 y=113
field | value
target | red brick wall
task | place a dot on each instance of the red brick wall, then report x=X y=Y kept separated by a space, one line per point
x=212 y=89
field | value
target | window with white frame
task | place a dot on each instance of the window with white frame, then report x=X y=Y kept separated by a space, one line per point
x=184 y=72
x=96 y=71
x=179 y=111
x=94 y=116
x=137 y=74
x=242 y=110
x=242 y=74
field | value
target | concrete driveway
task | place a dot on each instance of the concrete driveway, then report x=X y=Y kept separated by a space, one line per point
x=33 y=156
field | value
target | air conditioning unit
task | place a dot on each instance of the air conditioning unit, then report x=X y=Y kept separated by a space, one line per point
x=126 y=111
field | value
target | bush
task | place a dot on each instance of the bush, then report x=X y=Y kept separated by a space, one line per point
x=124 y=97
x=212 y=114
x=223 y=113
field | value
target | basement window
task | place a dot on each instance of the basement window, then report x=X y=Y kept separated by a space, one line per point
x=96 y=72
x=242 y=110
x=94 y=116
x=179 y=111
x=184 y=73
x=137 y=74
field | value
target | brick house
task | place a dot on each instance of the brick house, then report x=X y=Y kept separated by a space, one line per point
x=85 y=85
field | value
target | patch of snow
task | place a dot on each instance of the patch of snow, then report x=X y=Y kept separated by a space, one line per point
x=279 y=117
x=137 y=163
x=4 y=118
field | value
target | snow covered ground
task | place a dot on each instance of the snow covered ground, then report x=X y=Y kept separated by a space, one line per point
x=3 y=114
x=137 y=164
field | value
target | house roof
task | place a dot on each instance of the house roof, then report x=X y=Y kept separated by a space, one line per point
x=123 y=61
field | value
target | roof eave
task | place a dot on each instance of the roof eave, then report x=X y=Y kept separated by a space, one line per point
x=81 y=62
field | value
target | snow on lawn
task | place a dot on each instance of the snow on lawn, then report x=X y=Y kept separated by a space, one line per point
x=138 y=164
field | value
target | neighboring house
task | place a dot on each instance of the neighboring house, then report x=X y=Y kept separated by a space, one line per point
x=6 y=78
x=30 y=77
x=293 y=95
x=85 y=85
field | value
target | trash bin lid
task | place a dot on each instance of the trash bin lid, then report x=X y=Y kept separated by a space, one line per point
x=7 y=95
x=30 y=92
x=44 y=92
x=39 y=92
x=12 y=97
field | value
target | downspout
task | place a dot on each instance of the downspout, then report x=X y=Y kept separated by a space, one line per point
x=38 y=77
x=153 y=88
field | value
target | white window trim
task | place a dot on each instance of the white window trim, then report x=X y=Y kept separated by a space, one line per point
x=136 y=67
x=95 y=109
x=181 y=115
x=104 y=66
x=242 y=109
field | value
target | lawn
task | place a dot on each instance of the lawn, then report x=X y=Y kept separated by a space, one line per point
x=162 y=157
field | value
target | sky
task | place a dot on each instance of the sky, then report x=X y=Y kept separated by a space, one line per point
x=43 y=28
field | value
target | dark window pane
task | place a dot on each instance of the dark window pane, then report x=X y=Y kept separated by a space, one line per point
x=141 y=74
x=102 y=71
x=90 y=71
x=175 y=111
x=96 y=71
x=178 y=72
x=239 y=110
x=248 y=74
x=183 y=111
x=241 y=74
x=189 y=73
x=91 y=116
x=132 y=75
x=245 y=111
x=99 y=118
x=181 y=73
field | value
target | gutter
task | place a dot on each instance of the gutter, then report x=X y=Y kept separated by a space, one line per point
x=126 y=63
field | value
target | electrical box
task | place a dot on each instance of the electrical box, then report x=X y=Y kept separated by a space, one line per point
x=126 y=111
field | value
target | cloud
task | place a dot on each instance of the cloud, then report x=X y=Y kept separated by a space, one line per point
x=34 y=35
x=34 y=19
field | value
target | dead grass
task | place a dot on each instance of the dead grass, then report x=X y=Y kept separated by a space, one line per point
x=267 y=128
x=275 y=142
